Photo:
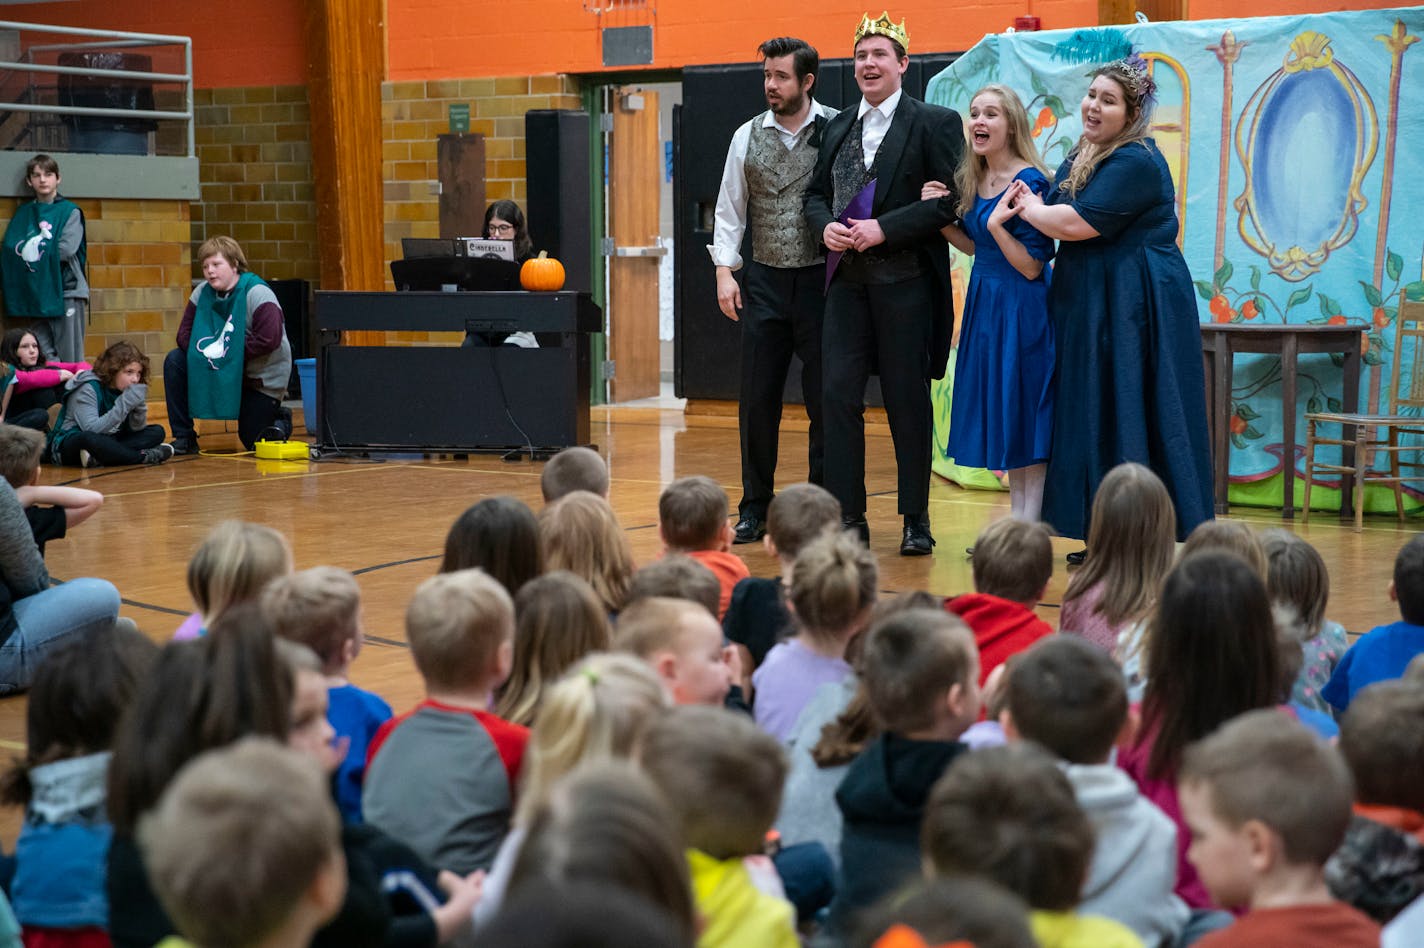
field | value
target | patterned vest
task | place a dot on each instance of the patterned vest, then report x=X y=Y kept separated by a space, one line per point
x=776 y=179
x=848 y=172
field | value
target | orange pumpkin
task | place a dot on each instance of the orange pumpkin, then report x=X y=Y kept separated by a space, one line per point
x=542 y=273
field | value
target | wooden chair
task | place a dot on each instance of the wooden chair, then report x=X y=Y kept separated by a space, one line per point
x=1369 y=434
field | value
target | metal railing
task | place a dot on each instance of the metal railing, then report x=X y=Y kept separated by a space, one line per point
x=114 y=40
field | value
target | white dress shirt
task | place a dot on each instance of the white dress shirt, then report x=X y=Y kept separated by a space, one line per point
x=730 y=219
x=875 y=122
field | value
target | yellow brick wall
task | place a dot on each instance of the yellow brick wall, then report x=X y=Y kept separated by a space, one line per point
x=139 y=266
x=255 y=170
x=413 y=114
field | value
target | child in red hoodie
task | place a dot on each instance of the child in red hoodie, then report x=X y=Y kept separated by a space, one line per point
x=1013 y=562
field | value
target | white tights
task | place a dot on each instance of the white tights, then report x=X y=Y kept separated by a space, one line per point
x=1026 y=491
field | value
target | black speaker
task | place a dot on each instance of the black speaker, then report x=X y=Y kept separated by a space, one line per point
x=294 y=296
x=556 y=162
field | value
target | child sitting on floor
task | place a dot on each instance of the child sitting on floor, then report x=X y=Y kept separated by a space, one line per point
x=1379 y=868
x=1296 y=579
x=723 y=778
x=1384 y=652
x=757 y=617
x=692 y=519
x=244 y=849
x=1068 y=697
x=921 y=674
x=441 y=777
x=557 y=622
x=833 y=589
x=50 y=509
x=682 y=643
x=1267 y=803
x=233 y=564
x=677 y=576
x=39 y=382
x=1012 y=562
x=321 y=609
x=580 y=533
x=962 y=911
x=498 y=535
x=1008 y=814
x=105 y=415
x=572 y=469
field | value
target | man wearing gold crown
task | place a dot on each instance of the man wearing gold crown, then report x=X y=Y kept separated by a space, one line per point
x=888 y=297
x=768 y=165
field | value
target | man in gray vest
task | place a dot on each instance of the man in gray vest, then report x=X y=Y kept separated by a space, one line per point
x=769 y=163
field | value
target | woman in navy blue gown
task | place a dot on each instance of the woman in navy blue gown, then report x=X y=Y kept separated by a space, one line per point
x=1002 y=414
x=1129 y=364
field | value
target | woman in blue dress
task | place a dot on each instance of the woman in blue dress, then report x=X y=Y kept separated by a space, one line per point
x=1129 y=362
x=1002 y=414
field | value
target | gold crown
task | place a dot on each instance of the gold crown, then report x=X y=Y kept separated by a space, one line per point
x=883 y=27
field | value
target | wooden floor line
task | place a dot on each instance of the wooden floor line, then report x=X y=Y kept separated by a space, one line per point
x=13 y=745
x=191 y=487
x=405 y=562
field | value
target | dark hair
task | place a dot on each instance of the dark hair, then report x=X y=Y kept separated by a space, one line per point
x=10 y=347
x=962 y=910
x=900 y=52
x=691 y=512
x=1013 y=559
x=1382 y=738
x=1267 y=767
x=910 y=661
x=1211 y=654
x=607 y=822
x=200 y=695
x=1068 y=696
x=572 y=469
x=798 y=514
x=676 y=576
x=584 y=914
x=500 y=535
x=1409 y=580
x=1008 y=814
x=41 y=163
x=805 y=60
x=79 y=693
x=511 y=213
x=113 y=360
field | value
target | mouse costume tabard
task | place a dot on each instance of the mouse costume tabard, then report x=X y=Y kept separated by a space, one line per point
x=216 y=350
x=30 y=264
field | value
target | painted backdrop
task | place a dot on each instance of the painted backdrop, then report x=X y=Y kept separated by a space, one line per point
x=1300 y=189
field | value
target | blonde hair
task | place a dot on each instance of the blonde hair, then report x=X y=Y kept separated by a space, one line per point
x=557 y=621
x=1232 y=536
x=1137 y=90
x=456 y=623
x=598 y=711
x=1132 y=537
x=833 y=584
x=318 y=608
x=233 y=564
x=581 y=534
x=653 y=625
x=973 y=169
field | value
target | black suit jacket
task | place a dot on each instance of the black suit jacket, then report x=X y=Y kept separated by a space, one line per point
x=923 y=143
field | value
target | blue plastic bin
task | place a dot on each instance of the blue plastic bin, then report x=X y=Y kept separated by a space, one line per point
x=306 y=373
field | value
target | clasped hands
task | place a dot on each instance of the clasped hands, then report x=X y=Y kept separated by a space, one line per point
x=860 y=235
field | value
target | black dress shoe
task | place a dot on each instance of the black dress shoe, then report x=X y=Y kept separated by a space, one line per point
x=858 y=524
x=749 y=529
x=916 y=540
x=1076 y=559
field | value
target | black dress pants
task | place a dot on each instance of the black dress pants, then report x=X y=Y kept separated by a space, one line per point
x=782 y=316
x=887 y=325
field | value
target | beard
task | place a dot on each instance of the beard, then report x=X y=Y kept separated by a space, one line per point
x=788 y=106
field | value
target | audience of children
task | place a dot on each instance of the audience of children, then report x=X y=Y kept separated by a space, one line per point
x=321 y=609
x=676 y=576
x=1131 y=543
x=460 y=627
x=557 y=621
x=963 y=910
x=1012 y=564
x=1009 y=814
x=692 y=519
x=104 y=419
x=1067 y=696
x=39 y=382
x=51 y=509
x=1266 y=803
x=833 y=589
x=682 y=643
x=1379 y=869
x=1384 y=652
x=579 y=533
x=757 y=617
x=576 y=468
x=233 y=564
x=500 y=536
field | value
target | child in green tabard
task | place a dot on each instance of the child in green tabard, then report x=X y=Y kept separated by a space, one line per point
x=105 y=415
x=43 y=263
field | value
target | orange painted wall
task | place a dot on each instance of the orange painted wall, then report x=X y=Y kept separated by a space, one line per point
x=252 y=43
